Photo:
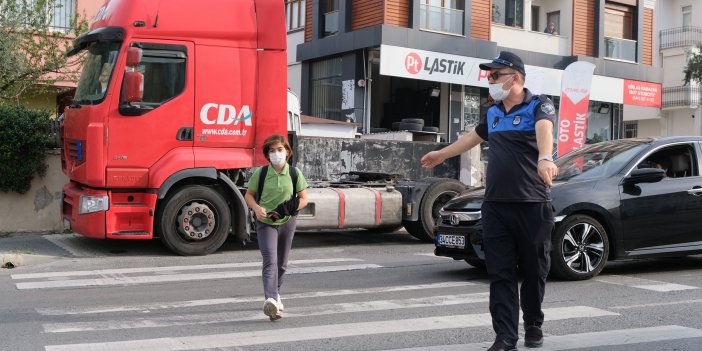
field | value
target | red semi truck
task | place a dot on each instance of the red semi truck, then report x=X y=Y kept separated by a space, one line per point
x=171 y=110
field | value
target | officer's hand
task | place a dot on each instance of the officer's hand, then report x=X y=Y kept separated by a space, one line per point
x=547 y=171
x=432 y=159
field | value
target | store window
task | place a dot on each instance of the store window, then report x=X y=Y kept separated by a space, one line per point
x=294 y=14
x=508 y=12
x=326 y=91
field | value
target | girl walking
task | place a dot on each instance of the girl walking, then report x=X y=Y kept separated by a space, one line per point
x=275 y=193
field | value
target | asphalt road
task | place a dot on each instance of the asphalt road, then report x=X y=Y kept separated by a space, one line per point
x=345 y=291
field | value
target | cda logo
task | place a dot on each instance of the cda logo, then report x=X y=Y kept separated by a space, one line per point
x=226 y=114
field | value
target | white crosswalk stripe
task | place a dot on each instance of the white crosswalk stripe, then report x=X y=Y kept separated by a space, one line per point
x=169 y=274
x=646 y=284
x=420 y=308
x=318 y=332
x=587 y=340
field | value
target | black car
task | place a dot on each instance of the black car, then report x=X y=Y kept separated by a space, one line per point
x=627 y=198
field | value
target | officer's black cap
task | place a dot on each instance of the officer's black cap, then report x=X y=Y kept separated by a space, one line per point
x=505 y=59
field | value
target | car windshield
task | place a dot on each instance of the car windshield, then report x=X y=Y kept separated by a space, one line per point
x=97 y=70
x=597 y=161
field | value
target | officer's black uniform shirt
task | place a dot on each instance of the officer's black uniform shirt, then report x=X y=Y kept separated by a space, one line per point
x=512 y=174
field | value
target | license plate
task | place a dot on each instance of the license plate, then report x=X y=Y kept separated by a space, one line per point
x=458 y=241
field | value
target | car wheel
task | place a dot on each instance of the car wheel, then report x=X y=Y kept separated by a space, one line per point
x=580 y=248
x=194 y=220
x=437 y=195
x=476 y=262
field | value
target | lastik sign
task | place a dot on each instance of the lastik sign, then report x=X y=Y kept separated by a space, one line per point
x=575 y=99
x=426 y=65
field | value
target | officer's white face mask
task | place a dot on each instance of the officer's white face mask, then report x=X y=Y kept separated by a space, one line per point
x=496 y=91
x=277 y=158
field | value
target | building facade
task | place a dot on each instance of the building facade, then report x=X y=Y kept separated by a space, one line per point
x=381 y=61
x=680 y=32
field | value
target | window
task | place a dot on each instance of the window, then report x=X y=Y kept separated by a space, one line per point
x=294 y=14
x=631 y=129
x=330 y=9
x=535 y=18
x=619 y=32
x=163 y=67
x=326 y=89
x=555 y=18
x=442 y=15
x=64 y=13
x=687 y=16
x=508 y=12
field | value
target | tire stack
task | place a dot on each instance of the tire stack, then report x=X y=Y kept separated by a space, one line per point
x=413 y=125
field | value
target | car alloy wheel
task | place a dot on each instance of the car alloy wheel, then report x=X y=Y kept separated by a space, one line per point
x=581 y=248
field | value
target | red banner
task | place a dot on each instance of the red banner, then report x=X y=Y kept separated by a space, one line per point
x=642 y=93
x=575 y=98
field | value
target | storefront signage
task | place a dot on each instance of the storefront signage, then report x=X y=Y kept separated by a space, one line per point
x=642 y=93
x=575 y=98
x=428 y=65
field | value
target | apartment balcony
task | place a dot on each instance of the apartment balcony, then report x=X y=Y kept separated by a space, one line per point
x=520 y=38
x=620 y=49
x=441 y=19
x=686 y=96
x=680 y=37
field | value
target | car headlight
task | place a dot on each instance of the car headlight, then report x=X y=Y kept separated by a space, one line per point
x=90 y=204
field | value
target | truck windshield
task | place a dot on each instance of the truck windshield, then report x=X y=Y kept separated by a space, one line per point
x=97 y=70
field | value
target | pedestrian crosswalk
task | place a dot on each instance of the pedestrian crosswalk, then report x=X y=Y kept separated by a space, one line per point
x=330 y=314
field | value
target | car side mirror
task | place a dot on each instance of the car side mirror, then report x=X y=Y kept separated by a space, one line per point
x=645 y=175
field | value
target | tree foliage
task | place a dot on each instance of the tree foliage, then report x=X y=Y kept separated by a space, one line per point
x=32 y=52
x=693 y=70
x=22 y=146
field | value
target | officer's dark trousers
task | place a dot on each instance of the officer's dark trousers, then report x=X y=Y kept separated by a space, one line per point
x=516 y=236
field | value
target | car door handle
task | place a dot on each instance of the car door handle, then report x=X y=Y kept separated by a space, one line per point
x=696 y=191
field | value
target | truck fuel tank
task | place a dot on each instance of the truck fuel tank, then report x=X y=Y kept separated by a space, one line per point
x=351 y=207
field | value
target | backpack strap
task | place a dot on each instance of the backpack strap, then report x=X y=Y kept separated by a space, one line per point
x=261 y=180
x=293 y=176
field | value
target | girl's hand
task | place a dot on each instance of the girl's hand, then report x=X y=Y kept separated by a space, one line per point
x=260 y=213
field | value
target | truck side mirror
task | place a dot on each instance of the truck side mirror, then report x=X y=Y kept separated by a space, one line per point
x=134 y=56
x=132 y=95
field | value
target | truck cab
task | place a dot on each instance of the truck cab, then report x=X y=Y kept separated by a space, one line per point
x=171 y=105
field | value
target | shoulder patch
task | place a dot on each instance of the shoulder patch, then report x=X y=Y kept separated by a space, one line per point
x=548 y=108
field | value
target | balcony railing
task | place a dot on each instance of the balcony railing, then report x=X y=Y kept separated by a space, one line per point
x=441 y=19
x=620 y=49
x=681 y=37
x=682 y=96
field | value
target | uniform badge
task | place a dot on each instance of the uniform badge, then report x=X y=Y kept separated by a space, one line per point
x=516 y=120
x=548 y=109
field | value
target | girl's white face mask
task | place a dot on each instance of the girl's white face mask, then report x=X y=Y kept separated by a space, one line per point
x=496 y=91
x=277 y=158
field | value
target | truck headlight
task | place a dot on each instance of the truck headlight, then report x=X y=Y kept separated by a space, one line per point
x=90 y=204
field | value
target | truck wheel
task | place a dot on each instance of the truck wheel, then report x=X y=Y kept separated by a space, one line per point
x=194 y=220
x=441 y=191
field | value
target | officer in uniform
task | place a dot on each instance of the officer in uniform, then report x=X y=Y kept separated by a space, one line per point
x=517 y=213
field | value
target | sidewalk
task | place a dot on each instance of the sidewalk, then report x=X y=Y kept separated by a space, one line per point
x=22 y=249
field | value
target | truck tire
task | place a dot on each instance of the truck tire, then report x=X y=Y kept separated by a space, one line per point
x=193 y=220
x=439 y=192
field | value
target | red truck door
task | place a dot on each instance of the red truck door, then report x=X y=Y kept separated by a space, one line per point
x=160 y=126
